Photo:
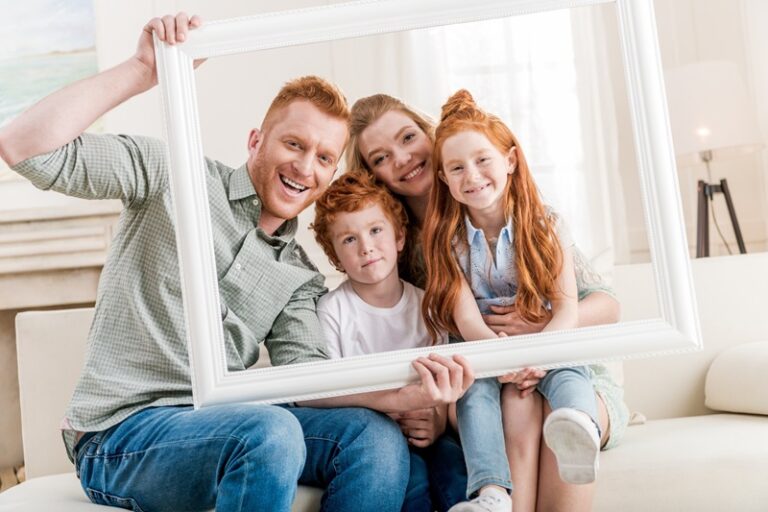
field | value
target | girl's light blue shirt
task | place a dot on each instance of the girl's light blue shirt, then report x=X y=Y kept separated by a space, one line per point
x=493 y=280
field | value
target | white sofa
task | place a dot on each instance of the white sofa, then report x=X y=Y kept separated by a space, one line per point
x=687 y=456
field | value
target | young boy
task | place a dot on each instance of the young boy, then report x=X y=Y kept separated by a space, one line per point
x=361 y=227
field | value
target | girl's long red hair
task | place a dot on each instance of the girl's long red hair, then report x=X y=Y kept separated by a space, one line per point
x=538 y=255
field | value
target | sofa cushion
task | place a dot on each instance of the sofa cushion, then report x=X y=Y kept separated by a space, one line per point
x=713 y=462
x=55 y=492
x=63 y=493
x=737 y=380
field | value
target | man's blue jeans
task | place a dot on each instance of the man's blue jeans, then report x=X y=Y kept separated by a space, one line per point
x=244 y=457
x=480 y=423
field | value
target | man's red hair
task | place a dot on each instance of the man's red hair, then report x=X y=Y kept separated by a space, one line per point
x=319 y=92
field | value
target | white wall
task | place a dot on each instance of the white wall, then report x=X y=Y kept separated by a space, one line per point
x=732 y=30
x=701 y=30
x=689 y=30
x=235 y=91
x=731 y=294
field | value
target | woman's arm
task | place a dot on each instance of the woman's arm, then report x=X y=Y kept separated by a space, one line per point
x=598 y=308
x=565 y=307
x=597 y=305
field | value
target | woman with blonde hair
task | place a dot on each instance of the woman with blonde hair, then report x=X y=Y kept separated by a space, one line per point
x=394 y=142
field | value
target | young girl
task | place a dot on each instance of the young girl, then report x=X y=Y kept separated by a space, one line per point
x=488 y=234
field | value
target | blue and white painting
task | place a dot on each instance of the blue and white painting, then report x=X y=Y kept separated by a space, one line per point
x=44 y=45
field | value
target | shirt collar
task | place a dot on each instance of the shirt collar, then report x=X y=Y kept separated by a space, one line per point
x=472 y=231
x=508 y=230
x=240 y=184
x=241 y=187
x=287 y=231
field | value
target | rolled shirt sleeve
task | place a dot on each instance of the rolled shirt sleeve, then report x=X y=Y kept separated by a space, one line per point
x=132 y=169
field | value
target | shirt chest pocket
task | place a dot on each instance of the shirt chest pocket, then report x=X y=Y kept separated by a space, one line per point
x=252 y=295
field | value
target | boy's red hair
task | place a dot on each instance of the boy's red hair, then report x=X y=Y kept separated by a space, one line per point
x=352 y=192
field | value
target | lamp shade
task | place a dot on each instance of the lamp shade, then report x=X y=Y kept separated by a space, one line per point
x=710 y=110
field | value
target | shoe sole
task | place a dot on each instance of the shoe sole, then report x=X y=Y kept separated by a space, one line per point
x=574 y=449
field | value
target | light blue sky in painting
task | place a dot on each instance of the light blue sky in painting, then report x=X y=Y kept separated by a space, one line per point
x=34 y=27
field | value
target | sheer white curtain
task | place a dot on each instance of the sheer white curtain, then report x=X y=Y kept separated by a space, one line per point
x=545 y=75
x=600 y=77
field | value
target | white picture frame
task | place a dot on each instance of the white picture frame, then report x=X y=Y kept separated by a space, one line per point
x=675 y=330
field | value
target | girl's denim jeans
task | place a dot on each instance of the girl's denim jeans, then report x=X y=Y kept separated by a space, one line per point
x=480 y=423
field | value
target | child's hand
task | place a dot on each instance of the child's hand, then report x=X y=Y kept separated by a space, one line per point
x=505 y=319
x=421 y=427
x=525 y=380
x=521 y=376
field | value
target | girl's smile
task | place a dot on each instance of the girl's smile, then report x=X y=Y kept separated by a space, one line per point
x=476 y=172
x=476 y=189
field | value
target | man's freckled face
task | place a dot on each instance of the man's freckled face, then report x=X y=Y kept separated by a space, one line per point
x=295 y=158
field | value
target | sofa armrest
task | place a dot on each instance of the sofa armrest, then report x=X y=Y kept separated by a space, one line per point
x=50 y=346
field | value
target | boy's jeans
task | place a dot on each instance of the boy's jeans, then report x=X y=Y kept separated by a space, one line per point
x=243 y=457
x=480 y=423
x=438 y=476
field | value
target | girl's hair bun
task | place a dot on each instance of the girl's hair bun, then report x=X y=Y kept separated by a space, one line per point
x=460 y=101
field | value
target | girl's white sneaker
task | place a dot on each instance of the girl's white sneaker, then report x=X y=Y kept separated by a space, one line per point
x=572 y=436
x=491 y=500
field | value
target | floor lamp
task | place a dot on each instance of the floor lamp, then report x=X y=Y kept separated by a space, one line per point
x=711 y=118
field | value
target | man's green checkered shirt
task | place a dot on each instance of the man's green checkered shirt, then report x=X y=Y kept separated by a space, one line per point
x=137 y=351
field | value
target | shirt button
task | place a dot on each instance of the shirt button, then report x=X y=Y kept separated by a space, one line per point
x=238 y=266
x=255 y=202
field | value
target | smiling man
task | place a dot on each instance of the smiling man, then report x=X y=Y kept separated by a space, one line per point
x=293 y=158
x=130 y=428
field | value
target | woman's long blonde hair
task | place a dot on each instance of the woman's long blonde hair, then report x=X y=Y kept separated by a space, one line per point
x=365 y=112
x=538 y=256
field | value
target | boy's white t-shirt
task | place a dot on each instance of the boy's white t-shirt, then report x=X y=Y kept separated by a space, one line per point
x=353 y=327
